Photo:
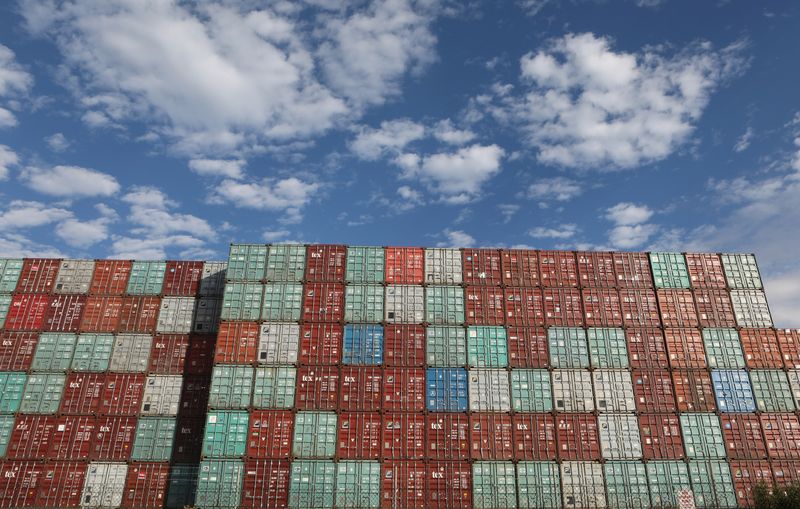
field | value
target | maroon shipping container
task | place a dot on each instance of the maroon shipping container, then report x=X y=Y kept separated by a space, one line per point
x=188 y=439
x=632 y=270
x=403 y=346
x=266 y=484
x=17 y=349
x=168 y=354
x=61 y=484
x=194 y=395
x=182 y=278
x=110 y=277
x=714 y=308
x=685 y=347
x=484 y=305
x=403 y=485
x=602 y=307
x=323 y=302
x=101 y=314
x=524 y=307
x=558 y=269
x=520 y=267
x=320 y=344
x=782 y=435
x=785 y=472
x=578 y=437
x=647 y=348
x=82 y=393
x=789 y=342
x=694 y=391
x=360 y=388
x=448 y=436
x=317 y=388
x=237 y=343
x=27 y=311
x=139 y=314
x=482 y=267
x=528 y=347
x=200 y=356
x=744 y=439
x=562 y=307
x=38 y=275
x=746 y=475
x=639 y=308
x=677 y=308
x=19 y=483
x=661 y=437
x=761 y=349
x=326 y=262
x=269 y=434
x=64 y=313
x=405 y=265
x=359 y=436
x=491 y=436
x=534 y=437
x=72 y=437
x=30 y=438
x=449 y=485
x=705 y=270
x=403 y=389
x=145 y=486
x=113 y=438
x=122 y=394
x=653 y=390
x=403 y=436
x=596 y=269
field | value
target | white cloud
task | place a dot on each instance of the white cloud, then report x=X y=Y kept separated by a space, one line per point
x=557 y=188
x=155 y=248
x=82 y=233
x=628 y=236
x=743 y=143
x=508 y=210
x=7 y=119
x=411 y=197
x=390 y=138
x=15 y=245
x=456 y=238
x=20 y=214
x=15 y=81
x=150 y=213
x=446 y=132
x=69 y=181
x=231 y=168
x=628 y=213
x=783 y=292
x=57 y=142
x=274 y=235
x=564 y=231
x=8 y=158
x=289 y=194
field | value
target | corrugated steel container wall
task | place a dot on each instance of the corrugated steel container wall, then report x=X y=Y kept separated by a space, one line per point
x=578 y=437
x=403 y=436
x=65 y=313
x=789 y=342
x=270 y=434
x=212 y=279
x=176 y=315
x=278 y=343
x=42 y=393
x=448 y=436
x=131 y=353
x=733 y=391
x=403 y=484
x=647 y=348
x=531 y=391
x=596 y=269
x=154 y=439
x=794 y=385
x=528 y=347
x=114 y=439
x=723 y=348
x=74 y=276
x=568 y=348
x=653 y=391
x=619 y=436
x=602 y=307
x=485 y=305
x=92 y=352
x=237 y=343
x=633 y=270
x=322 y=302
x=265 y=481
x=626 y=484
x=520 y=267
x=5 y=304
x=491 y=436
x=702 y=436
x=562 y=307
x=494 y=484
x=694 y=391
x=404 y=345
x=661 y=436
x=105 y=485
x=782 y=435
x=206 y=315
x=139 y=314
x=613 y=390
x=12 y=385
x=365 y=265
x=317 y=388
x=686 y=348
x=761 y=349
x=785 y=472
x=449 y=485
x=666 y=479
x=101 y=314
x=110 y=277
x=482 y=267
x=362 y=344
x=705 y=270
x=572 y=390
x=443 y=266
x=583 y=484
x=226 y=434
x=746 y=476
x=444 y=305
x=743 y=436
x=405 y=304
x=27 y=311
x=321 y=344
x=182 y=485
x=182 y=278
x=639 y=308
x=677 y=308
x=772 y=391
x=246 y=262
x=311 y=484
x=487 y=347
x=524 y=307
x=405 y=265
x=30 y=438
x=714 y=308
x=54 y=352
x=357 y=484
x=363 y=303
x=145 y=486
x=712 y=484
x=447 y=390
x=286 y=263
x=750 y=308
x=360 y=388
x=741 y=271
x=17 y=349
x=326 y=263
x=219 y=483
x=359 y=435
x=61 y=484
x=403 y=389
x=538 y=485
x=6 y=427
x=38 y=275
x=231 y=386
x=558 y=269
x=146 y=278
x=162 y=394
x=489 y=390
x=242 y=301
x=72 y=437
x=669 y=270
x=607 y=348
x=534 y=437
x=10 y=270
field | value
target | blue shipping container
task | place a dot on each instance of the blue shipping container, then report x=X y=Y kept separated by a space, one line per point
x=447 y=390
x=733 y=391
x=363 y=345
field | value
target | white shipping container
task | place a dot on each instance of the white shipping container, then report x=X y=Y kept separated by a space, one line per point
x=405 y=304
x=162 y=395
x=613 y=390
x=176 y=315
x=278 y=343
x=74 y=276
x=131 y=353
x=751 y=309
x=489 y=390
x=619 y=436
x=212 y=282
x=794 y=383
x=104 y=485
x=572 y=390
x=442 y=266
x=583 y=485
x=206 y=315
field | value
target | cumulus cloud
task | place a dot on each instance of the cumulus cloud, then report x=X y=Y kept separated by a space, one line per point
x=231 y=168
x=391 y=137
x=564 y=231
x=15 y=81
x=631 y=228
x=57 y=142
x=446 y=132
x=288 y=195
x=456 y=238
x=8 y=158
x=69 y=181
x=557 y=188
x=743 y=143
x=21 y=214
x=274 y=235
x=628 y=213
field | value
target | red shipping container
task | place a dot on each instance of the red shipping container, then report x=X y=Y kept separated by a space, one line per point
x=744 y=439
x=359 y=436
x=200 y=356
x=528 y=347
x=38 y=275
x=558 y=269
x=632 y=270
x=685 y=348
x=82 y=393
x=265 y=482
x=705 y=270
x=491 y=436
x=520 y=267
x=61 y=484
x=30 y=438
x=72 y=437
x=323 y=302
x=789 y=342
x=403 y=485
x=17 y=349
x=270 y=434
x=122 y=394
x=194 y=395
x=326 y=262
x=403 y=436
x=27 y=311
x=19 y=482
x=482 y=267
x=761 y=349
x=785 y=472
x=448 y=436
x=182 y=278
x=484 y=305
x=562 y=307
x=237 y=343
x=524 y=307
x=317 y=388
x=534 y=437
x=646 y=348
x=101 y=314
x=677 y=308
x=188 y=439
x=404 y=345
x=405 y=265
x=661 y=437
x=168 y=354
x=449 y=485
x=139 y=314
x=639 y=308
x=113 y=439
x=321 y=344
x=602 y=307
x=782 y=435
x=746 y=475
x=361 y=388
x=65 y=313
x=596 y=269
x=714 y=308
x=403 y=389
x=578 y=437
x=110 y=277
x=694 y=391
x=653 y=390
x=146 y=486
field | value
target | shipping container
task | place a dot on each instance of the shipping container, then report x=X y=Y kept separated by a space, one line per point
x=145 y=486
x=219 y=483
x=131 y=353
x=269 y=434
x=448 y=436
x=320 y=344
x=176 y=315
x=188 y=444
x=746 y=476
x=246 y=262
x=182 y=278
x=482 y=267
x=200 y=356
x=72 y=437
x=405 y=304
x=360 y=388
x=265 y=482
x=242 y=301
x=10 y=270
x=743 y=436
x=362 y=345
x=5 y=304
x=596 y=269
x=619 y=436
x=487 y=347
x=359 y=435
x=447 y=389
x=139 y=314
x=785 y=472
x=782 y=435
x=101 y=314
x=669 y=270
x=772 y=391
x=54 y=352
x=524 y=307
x=27 y=311
x=231 y=387
x=154 y=439
x=712 y=484
x=705 y=270
x=363 y=303
x=62 y=484
x=38 y=275
x=568 y=348
x=237 y=343
x=562 y=307
x=92 y=352
x=741 y=271
x=789 y=342
x=311 y=484
x=677 y=308
x=194 y=395
x=558 y=269
x=167 y=355
x=723 y=348
x=491 y=436
x=485 y=305
x=74 y=276
x=325 y=263
x=534 y=437
x=583 y=484
x=489 y=390
x=278 y=343
x=653 y=391
x=113 y=440
x=626 y=484
x=632 y=270
x=12 y=385
x=538 y=485
x=365 y=265
x=578 y=437
x=403 y=436
x=714 y=308
x=314 y=435
x=405 y=265
x=449 y=485
x=494 y=485
x=322 y=302
x=520 y=267
x=6 y=427
x=694 y=391
x=750 y=308
x=794 y=385
x=146 y=278
x=639 y=308
x=666 y=479
x=531 y=391
x=686 y=348
x=443 y=266
x=572 y=390
x=226 y=434
x=19 y=482
x=110 y=277
x=122 y=394
x=761 y=348
x=602 y=307
x=17 y=349
x=317 y=388
x=286 y=263
x=31 y=436
x=212 y=279
x=647 y=348
x=43 y=393
x=182 y=485
x=661 y=436
x=528 y=347
x=444 y=305
x=357 y=484
x=64 y=313
x=607 y=348
x=162 y=394
x=403 y=389
x=702 y=436
x=733 y=391
x=105 y=485
x=404 y=345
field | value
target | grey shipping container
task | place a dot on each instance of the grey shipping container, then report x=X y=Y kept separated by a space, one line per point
x=405 y=304
x=583 y=484
x=176 y=315
x=613 y=390
x=74 y=276
x=489 y=390
x=446 y=346
x=443 y=266
x=162 y=395
x=619 y=436
x=278 y=343
x=131 y=353
x=104 y=485
x=572 y=390
x=212 y=280
x=206 y=315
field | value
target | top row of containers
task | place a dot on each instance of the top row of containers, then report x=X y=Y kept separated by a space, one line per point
x=490 y=267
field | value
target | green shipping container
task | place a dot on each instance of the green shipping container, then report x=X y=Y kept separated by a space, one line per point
x=283 y=302
x=446 y=346
x=231 y=386
x=242 y=301
x=146 y=278
x=6 y=427
x=12 y=386
x=311 y=484
x=10 y=269
x=54 y=352
x=531 y=390
x=444 y=305
x=771 y=390
x=723 y=348
x=365 y=265
x=626 y=485
x=226 y=434
x=286 y=263
x=92 y=352
x=182 y=486
x=43 y=393
x=5 y=302
x=274 y=387
x=741 y=271
x=608 y=348
x=358 y=484
x=712 y=484
x=219 y=484
x=363 y=303
x=568 y=347
x=665 y=479
x=314 y=435
x=538 y=485
x=494 y=485
x=487 y=347
x=669 y=270
x=702 y=436
x=247 y=262
x=154 y=438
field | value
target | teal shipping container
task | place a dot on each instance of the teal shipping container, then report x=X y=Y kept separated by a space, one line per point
x=10 y=269
x=92 y=352
x=247 y=262
x=487 y=347
x=231 y=386
x=494 y=485
x=741 y=271
x=568 y=347
x=12 y=386
x=54 y=352
x=626 y=485
x=182 y=486
x=723 y=348
x=772 y=391
x=531 y=390
x=6 y=427
x=665 y=479
x=608 y=348
x=669 y=270
x=146 y=278
x=43 y=393
x=242 y=301
x=712 y=484
x=286 y=263
x=225 y=434
x=363 y=303
x=154 y=439
x=358 y=485
x=446 y=346
x=365 y=265
x=283 y=302
x=538 y=485
x=219 y=484
x=314 y=435
x=5 y=302
x=274 y=387
x=702 y=436
x=444 y=305
x=311 y=484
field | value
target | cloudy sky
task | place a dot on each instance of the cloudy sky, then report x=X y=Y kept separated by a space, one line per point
x=153 y=129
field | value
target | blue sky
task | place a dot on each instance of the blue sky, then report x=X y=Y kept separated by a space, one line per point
x=169 y=129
